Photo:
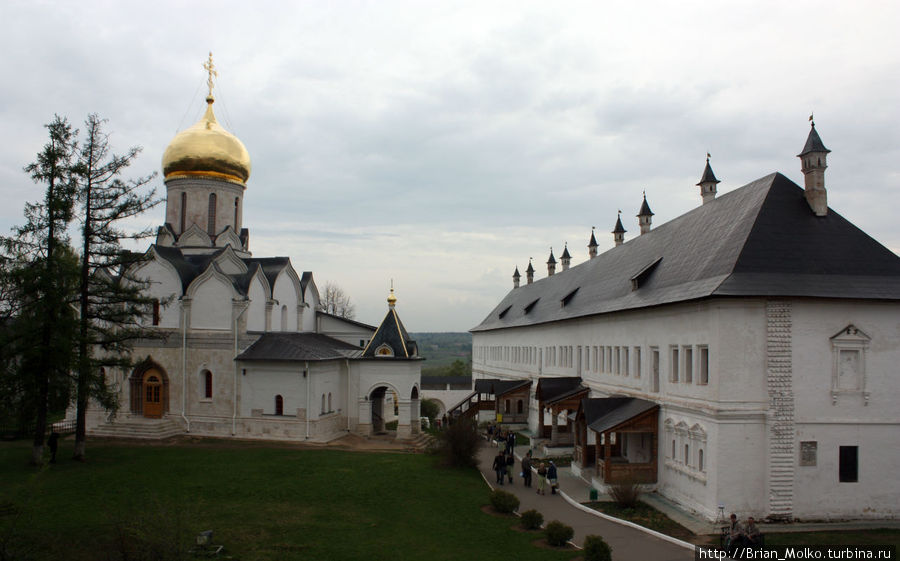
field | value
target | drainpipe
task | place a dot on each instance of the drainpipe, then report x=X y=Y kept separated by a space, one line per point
x=187 y=421
x=235 y=377
x=347 y=364
x=306 y=375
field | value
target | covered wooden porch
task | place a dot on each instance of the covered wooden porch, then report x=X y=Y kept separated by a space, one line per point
x=507 y=399
x=558 y=397
x=625 y=436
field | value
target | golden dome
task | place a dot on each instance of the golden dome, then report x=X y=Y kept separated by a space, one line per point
x=207 y=150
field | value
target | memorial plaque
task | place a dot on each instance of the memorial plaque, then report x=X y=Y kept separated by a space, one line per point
x=808 y=453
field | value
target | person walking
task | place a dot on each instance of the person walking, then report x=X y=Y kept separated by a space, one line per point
x=551 y=477
x=542 y=479
x=510 y=466
x=526 y=469
x=500 y=467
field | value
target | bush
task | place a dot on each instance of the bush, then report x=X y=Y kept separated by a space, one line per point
x=532 y=520
x=625 y=494
x=459 y=444
x=596 y=549
x=429 y=408
x=558 y=534
x=504 y=502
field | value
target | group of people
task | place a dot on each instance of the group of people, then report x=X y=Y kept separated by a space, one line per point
x=742 y=535
x=505 y=461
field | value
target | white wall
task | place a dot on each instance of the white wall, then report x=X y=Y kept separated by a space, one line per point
x=164 y=285
x=211 y=304
x=285 y=293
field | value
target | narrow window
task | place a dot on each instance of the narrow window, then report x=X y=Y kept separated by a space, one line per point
x=155 y=311
x=329 y=403
x=279 y=405
x=323 y=403
x=508 y=409
x=704 y=365
x=236 y=215
x=687 y=455
x=700 y=459
x=637 y=362
x=207 y=384
x=211 y=224
x=183 y=211
x=688 y=365
x=618 y=361
x=848 y=470
x=284 y=318
x=520 y=407
x=673 y=449
x=625 y=364
x=674 y=365
x=654 y=370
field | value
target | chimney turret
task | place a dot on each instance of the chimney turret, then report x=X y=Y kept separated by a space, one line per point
x=565 y=258
x=645 y=216
x=813 y=164
x=708 y=183
x=592 y=245
x=619 y=231
x=516 y=277
x=551 y=264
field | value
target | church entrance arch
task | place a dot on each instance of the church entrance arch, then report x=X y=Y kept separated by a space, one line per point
x=376 y=398
x=149 y=390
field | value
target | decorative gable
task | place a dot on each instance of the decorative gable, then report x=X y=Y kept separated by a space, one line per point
x=229 y=263
x=194 y=237
x=849 y=348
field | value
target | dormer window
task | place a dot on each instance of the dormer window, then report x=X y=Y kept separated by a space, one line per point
x=529 y=307
x=384 y=350
x=568 y=297
x=505 y=310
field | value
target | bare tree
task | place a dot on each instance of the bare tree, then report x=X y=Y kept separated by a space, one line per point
x=336 y=302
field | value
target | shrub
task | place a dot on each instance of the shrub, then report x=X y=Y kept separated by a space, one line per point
x=532 y=520
x=504 y=502
x=596 y=549
x=459 y=444
x=429 y=408
x=625 y=494
x=558 y=534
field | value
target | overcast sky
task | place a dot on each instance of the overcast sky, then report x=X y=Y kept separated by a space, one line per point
x=442 y=144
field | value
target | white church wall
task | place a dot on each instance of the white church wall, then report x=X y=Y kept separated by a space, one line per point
x=256 y=314
x=285 y=312
x=345 y=331
x=211 y=304
x=265 y=381
x=165 y=286
x=825 y=421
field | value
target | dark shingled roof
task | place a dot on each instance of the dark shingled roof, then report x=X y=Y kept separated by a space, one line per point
x=392 y=333
x=565 y=253
x=602 y=414
x=645 y=208
x=813 y=143
x=759 y=240
x=190 y=266
x=498 y=387
x=619 y=229
x=708 y=175
x=440 y=382
x=552 y=259
x=593 y=242
x=297 y=347
x=553 y=388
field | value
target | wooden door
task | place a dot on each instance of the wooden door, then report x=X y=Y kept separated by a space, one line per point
x=153 y=389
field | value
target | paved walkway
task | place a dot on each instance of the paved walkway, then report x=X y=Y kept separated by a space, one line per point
x=627 y=543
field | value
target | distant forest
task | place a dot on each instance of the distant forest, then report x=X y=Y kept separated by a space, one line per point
x=447 y=354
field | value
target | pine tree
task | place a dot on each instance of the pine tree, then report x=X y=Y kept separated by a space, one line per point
x=111 y=299
x=39 y=263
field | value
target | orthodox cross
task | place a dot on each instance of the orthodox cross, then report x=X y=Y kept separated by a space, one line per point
x=211 y=71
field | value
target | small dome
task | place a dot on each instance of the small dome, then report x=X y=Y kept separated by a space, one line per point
x=207 y=149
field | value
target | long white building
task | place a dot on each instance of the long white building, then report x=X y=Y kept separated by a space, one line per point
x=752 y=344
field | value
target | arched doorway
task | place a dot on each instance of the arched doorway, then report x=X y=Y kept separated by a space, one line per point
x=376 y=398
x=149 y=390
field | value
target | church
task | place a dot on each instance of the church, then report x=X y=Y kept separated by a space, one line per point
x=741 y=357
x=242 y=346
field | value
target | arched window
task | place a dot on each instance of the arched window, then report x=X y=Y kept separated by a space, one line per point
x=183 y=211
x=519 y=407
x=236 y=214
x=700 y=459
x=284 y=318
x=673 y=449
x=211 y=225
x=329 y=402
x=279 y=405
x=687 y=455
x=207 y=384
x=323 y=403
x=155 y=311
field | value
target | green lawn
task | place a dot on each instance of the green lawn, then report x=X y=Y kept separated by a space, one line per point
x=262 y=502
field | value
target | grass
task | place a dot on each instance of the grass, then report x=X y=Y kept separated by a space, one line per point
x=262 y=502
x=646 y=516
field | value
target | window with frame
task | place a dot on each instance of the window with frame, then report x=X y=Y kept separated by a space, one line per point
x=848 y=468
x=654 y=369
x=673 y=366
x=207 y=384
x=211 y=225
x=637 y=362
x=688 y=365
x=279 y=405
x=704 y=365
